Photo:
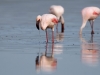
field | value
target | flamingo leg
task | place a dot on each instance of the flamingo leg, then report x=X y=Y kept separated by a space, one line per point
x=46 y=49
x=52 y=48
x=91 y=23
x=57 y=28
x=46 y=36
x=92 y=32
x=52 y=36
x=91 y=40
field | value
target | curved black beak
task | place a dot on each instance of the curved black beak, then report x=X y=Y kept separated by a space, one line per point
x=37 y=60
x=37 y=24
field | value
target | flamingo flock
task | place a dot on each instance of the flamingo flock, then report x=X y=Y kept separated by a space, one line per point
x=55 y=16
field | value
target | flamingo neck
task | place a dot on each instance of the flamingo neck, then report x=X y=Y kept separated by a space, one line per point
x=83 y=25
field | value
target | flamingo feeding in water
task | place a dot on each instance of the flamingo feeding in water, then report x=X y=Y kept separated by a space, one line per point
x=47 y=21
x=58 y=11
x=89 y=14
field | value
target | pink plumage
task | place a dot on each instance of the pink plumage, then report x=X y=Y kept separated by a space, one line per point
x=89 y=14
x=46 y=21
x=58 y=11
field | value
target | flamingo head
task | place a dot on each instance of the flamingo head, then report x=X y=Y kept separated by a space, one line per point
x=38 y=18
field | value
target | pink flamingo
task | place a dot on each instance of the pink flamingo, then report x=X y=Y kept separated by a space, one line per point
x=58 y=11
x=89 y=14
x=47 y=21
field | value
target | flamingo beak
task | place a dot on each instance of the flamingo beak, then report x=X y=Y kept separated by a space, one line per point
x=37 y=60
x=37 y=24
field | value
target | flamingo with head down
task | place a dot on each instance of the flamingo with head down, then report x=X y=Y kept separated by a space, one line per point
x=46 y=21
x=89 y=14
x=58 y=11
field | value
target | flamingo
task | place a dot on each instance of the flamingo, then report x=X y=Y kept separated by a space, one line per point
x=58 y=11
x=89 y=14
x=46 y=21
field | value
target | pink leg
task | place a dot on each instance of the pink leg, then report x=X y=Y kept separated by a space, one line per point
x=52 y=36
x=46 y=49
x=52 y=48
x=46 y=36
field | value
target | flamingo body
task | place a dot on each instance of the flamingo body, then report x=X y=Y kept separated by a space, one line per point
x=58 y=11
x=46 y=21
x=89 y=14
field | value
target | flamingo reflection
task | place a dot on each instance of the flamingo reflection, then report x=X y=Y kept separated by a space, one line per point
x=47 y=62
x=60 y=37
x=58 y=47
x=90 y=51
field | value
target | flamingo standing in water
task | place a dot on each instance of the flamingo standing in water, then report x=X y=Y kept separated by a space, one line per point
x=89 y=14
x=58 y=11
x=47 y=21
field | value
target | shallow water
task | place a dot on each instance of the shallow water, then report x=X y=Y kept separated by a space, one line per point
x=20 y=42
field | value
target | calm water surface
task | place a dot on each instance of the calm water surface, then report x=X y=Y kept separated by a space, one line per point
x=22 y=48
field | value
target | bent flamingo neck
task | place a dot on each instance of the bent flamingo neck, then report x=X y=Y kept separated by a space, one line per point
x=83 y=25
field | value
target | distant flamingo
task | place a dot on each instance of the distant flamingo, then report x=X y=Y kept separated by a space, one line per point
x=58 y=11
x=89 y=14
x=47 y=21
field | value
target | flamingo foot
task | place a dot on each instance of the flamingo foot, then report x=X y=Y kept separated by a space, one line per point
x=92 y=32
